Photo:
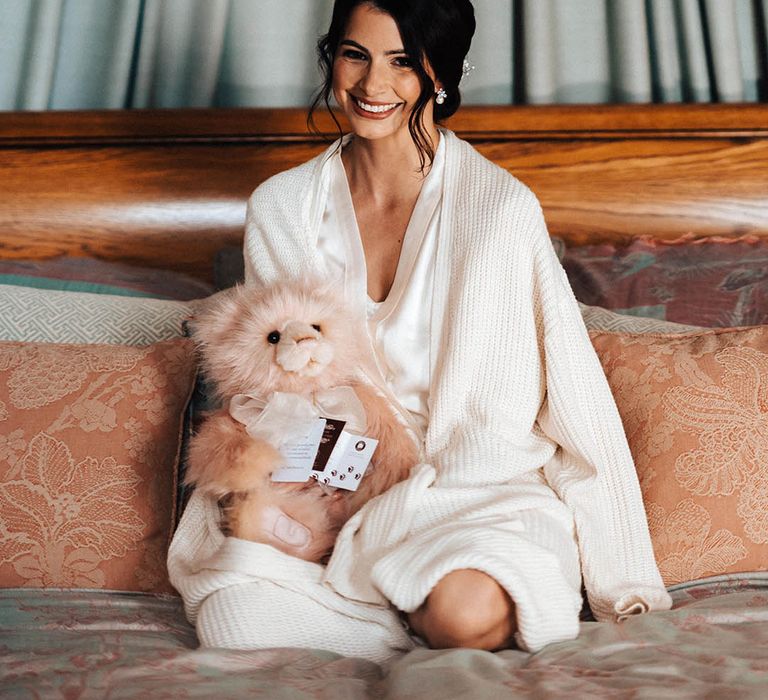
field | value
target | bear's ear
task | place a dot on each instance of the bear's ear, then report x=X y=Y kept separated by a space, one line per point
x=216 y=316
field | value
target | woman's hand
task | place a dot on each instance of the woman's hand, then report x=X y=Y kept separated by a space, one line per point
x=467 y=608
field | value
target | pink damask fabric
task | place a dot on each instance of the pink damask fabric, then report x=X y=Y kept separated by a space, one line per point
x=89 y=448
x=695 y=410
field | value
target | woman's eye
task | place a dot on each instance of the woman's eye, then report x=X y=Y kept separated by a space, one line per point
x=403 y=62
x=317 y=327
x=354 y=55
x=273 y=338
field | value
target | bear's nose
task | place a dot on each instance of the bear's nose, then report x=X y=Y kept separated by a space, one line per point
x=299 y=332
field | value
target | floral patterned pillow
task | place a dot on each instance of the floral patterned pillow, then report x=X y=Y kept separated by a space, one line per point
x=712 y=282
x=89 y=447
x=695 y=410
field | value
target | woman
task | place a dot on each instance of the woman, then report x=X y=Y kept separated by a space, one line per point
x=476 y=336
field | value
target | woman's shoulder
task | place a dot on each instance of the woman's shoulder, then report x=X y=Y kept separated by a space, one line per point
x=485 y=191
x=291 y=187
x=288 y=183
x=493 y=208
x=479 y=176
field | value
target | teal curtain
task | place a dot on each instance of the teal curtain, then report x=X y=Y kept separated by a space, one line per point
x=84 y=54
x=643 y=51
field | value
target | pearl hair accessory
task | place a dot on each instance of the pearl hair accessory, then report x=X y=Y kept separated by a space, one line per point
x=466 y=69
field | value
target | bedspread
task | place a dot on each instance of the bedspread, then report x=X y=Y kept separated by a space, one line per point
x=84 y=644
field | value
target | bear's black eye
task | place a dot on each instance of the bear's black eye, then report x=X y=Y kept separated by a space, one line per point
x=273 y=338
x=316 y=326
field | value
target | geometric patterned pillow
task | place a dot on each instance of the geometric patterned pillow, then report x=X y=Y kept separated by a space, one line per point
x=695 y=411
x=39 y=315
x=599 y=319
x=90 y=439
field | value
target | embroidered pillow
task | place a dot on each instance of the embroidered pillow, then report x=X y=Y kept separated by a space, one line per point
x=89 y=447
x=712 y=282
x=695 y=410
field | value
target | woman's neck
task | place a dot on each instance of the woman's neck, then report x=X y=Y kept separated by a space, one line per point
x=384 y=169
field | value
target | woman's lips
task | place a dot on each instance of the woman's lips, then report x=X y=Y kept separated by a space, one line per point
x=375 y=110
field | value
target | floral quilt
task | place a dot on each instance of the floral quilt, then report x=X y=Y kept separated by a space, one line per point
x=96 y=644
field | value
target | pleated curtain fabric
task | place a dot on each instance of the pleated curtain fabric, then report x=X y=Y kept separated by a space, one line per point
x=116 y=54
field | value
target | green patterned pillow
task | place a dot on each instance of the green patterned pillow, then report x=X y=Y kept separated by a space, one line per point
x=41 y=315
x=596 y=318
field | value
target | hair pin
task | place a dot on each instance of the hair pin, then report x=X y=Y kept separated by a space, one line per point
x=466 y=69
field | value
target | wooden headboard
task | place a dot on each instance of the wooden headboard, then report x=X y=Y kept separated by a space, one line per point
x=168 y=187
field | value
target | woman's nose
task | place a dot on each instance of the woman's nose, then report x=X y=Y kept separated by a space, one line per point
x=374 y=81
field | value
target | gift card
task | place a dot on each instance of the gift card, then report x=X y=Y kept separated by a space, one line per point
x=299 y=455
x=328 y=441
x=346 y=467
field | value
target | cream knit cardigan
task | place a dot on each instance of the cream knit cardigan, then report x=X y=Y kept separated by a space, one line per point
x=524 y=455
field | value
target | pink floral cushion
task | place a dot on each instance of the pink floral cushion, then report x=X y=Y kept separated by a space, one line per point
x=89 y=446
x=712 y=282
x=695 y=410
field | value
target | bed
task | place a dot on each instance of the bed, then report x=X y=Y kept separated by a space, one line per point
x=113 y=225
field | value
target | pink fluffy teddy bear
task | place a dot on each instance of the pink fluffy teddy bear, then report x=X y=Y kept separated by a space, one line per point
x=279 y=358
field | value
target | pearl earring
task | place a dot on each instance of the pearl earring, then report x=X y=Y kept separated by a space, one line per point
x=440 y=96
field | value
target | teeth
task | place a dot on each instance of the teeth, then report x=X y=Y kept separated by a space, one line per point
x=375 y=108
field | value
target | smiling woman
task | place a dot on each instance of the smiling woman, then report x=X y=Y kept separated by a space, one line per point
x=525 y=483
x=372 y=79
x=424 y=45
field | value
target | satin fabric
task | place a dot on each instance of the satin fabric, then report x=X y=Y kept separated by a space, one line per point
x=400 y=325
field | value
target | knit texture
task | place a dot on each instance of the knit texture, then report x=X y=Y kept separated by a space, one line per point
x=524 y=455
x=247 y=595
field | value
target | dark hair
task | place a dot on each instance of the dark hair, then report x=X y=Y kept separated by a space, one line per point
x=436 y=31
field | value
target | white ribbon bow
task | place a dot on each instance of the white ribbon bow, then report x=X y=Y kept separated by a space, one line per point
x=287 y=417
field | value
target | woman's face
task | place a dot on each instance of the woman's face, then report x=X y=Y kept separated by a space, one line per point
x=373 y=79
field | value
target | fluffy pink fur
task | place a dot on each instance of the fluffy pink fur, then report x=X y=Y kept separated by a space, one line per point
x=321 y=343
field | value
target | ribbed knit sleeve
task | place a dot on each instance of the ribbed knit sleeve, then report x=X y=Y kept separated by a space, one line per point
x=593 y=470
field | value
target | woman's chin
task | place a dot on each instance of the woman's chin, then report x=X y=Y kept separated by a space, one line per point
x=374 y=129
